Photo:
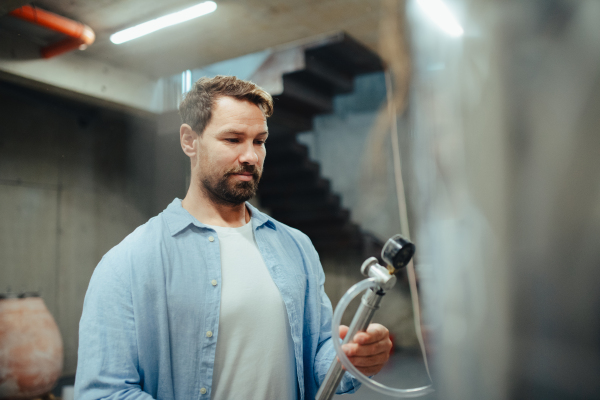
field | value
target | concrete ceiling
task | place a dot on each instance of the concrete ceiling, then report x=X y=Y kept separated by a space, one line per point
x=236 y=28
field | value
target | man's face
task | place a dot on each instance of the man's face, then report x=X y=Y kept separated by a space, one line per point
x=232 y=151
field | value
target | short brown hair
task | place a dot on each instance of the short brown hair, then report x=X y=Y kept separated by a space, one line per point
x=196 y=109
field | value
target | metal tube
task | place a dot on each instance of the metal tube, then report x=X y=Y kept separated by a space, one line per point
x=368 y=305
x=78 y=34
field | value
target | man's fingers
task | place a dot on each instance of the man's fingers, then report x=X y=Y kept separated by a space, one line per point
x=371 y=361
x=343 y=331
x=353 y=349
x=369 y=371
x=369 y=350
x=374 y=333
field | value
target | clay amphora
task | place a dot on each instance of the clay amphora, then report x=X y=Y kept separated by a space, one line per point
x=31 y=348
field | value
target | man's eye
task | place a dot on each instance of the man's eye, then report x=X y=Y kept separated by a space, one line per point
x=232 y=140
x=259 y=142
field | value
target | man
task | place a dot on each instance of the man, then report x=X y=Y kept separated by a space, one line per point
x=212 y=298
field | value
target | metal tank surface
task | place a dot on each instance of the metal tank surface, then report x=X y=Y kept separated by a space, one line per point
x=505 y=149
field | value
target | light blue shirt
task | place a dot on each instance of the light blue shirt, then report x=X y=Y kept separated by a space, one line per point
x=150 y=321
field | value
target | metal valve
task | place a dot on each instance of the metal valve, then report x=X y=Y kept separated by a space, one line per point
x=382 y=275
x=397 y=252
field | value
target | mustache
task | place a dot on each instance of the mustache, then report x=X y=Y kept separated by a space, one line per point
x=244 y=169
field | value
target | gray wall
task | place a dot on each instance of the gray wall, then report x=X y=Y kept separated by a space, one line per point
x=74 y=181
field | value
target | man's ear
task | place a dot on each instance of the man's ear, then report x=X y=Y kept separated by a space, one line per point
x=188 y=138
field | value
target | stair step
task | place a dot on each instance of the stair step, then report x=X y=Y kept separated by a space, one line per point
x=347 y=55
x=331 y=86
x=315 y=187
x=303 y=96
x=336 y=237
x=292 y=202
x=338 y=244
x=315 y=224
x=349 y=229
x=289 y=172
x=322 y=74
x=280 y=187
x=285 y=121
x=286 y=152
x=321 y=209
x=303 y=219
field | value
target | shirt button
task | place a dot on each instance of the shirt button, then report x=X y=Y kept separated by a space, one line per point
x=209 y=334
x=211 y=239
x=213 y=282
x=203 y=391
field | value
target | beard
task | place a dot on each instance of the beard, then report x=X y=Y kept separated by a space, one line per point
x=225 y=191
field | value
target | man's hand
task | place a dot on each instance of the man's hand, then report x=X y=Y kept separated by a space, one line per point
x=370 y=350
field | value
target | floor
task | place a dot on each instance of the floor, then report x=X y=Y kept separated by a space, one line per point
x=404 y=370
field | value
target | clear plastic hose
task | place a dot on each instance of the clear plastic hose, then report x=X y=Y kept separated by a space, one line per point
x=337 y=318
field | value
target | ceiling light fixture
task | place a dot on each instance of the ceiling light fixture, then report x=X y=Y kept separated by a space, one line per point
x=162 y=22
x=441 y=15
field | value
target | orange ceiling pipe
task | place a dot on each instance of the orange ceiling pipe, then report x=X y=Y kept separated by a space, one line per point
x=79 y=35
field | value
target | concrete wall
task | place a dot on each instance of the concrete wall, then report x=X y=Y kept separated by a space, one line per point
x=74 y=181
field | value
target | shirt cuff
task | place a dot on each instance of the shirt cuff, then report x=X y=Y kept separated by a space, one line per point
x=349 y=384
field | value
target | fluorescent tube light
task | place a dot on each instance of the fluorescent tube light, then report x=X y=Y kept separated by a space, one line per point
x=186 y=81
x=441 y=15
x=162 y=22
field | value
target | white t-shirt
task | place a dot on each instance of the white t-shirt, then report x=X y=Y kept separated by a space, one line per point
x=255 y=352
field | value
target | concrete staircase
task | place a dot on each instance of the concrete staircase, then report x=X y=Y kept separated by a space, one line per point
x=304 y=79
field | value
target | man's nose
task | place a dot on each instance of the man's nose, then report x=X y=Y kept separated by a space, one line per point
x=248 y=154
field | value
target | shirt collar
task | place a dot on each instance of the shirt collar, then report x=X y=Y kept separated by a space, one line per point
x=178 y=218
